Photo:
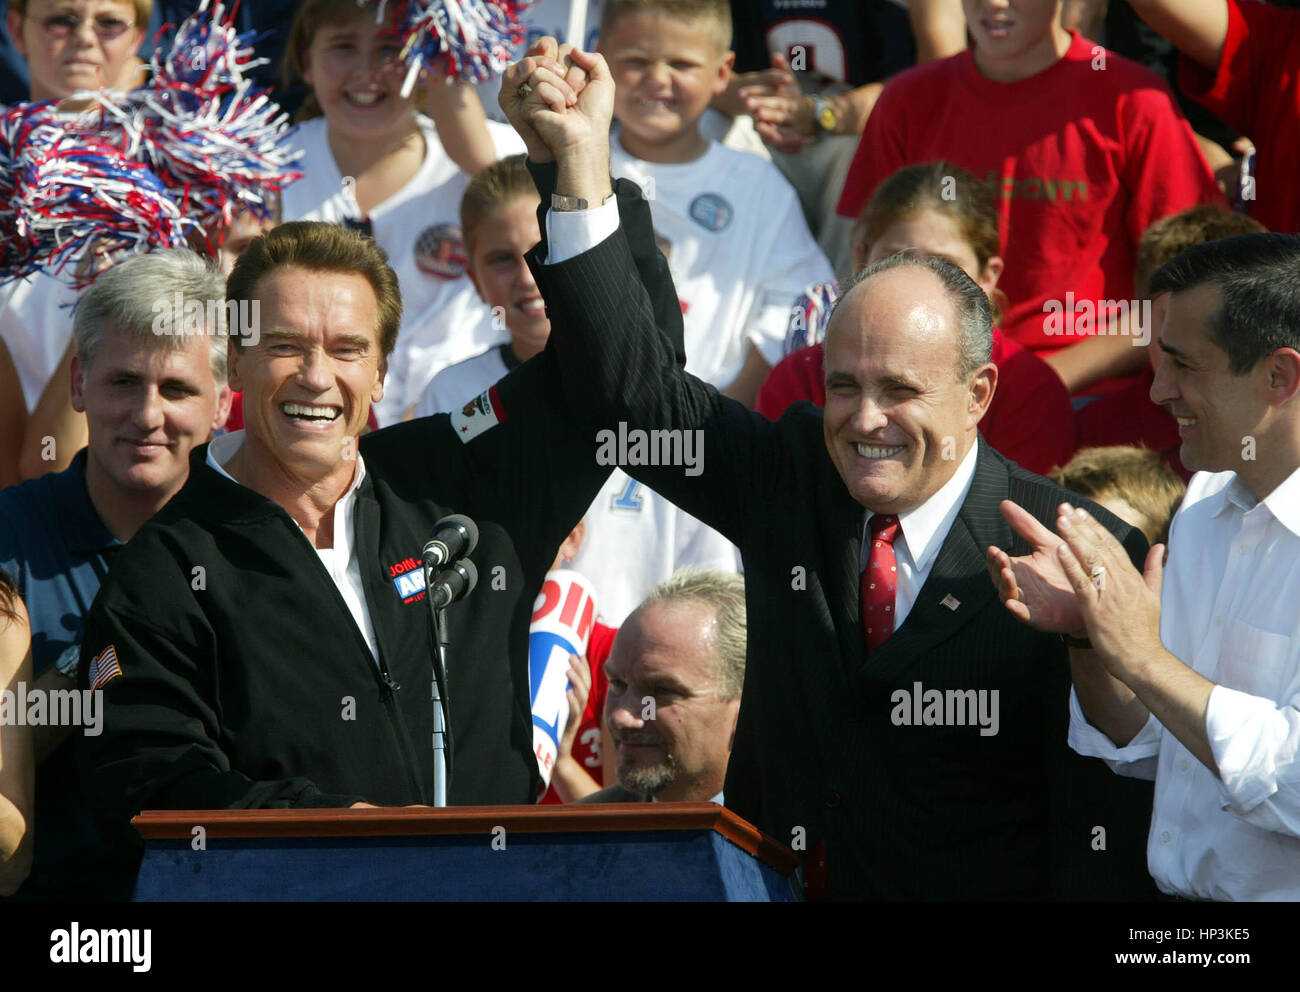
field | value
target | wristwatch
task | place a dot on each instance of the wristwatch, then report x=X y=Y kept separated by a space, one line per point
x=566 y=204
x=825 y=119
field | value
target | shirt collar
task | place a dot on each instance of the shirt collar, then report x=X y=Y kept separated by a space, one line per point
x=222 y=449
x=1283 y=503
x=84 y=532
x=924 y=527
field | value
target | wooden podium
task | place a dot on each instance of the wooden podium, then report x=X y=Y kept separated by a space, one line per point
x=611 y=852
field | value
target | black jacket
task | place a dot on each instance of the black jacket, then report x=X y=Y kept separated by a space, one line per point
x=906 y=812
x=245 y=681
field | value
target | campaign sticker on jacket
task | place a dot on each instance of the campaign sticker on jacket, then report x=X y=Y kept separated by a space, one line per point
x=408 y=579
x=478 y=415
x=440 y=251
x=711 y=212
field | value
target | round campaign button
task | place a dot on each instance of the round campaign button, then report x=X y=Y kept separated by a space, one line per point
x=711 y=212
x=440 y=251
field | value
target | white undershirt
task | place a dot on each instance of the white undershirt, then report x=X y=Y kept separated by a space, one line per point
x=340 y=561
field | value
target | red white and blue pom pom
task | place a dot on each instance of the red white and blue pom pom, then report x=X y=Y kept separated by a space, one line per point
x=197 y=145
x=810 y=314
x=472 y=39
x=208 y=58
x=214 y=140
x=71 y=193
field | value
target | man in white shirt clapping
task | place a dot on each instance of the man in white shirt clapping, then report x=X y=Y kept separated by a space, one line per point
x=1190 y=673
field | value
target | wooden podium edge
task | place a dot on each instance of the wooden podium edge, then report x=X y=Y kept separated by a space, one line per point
x=411 y=821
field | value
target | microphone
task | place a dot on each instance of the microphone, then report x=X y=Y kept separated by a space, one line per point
x=454 y=537
x=453 y=584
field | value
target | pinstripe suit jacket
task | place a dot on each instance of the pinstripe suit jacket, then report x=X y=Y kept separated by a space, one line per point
x=906 y=812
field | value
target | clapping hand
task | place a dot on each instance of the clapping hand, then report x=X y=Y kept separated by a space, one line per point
x=1034 y=587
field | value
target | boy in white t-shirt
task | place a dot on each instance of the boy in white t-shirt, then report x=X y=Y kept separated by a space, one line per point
x=371 y=161
x=634 y=537
x=729 y=223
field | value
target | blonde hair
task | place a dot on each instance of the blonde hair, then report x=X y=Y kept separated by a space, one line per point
x=1138 y=476
x=496 y=186
x=1169 y=237
x=716 y=13
x=725 y=593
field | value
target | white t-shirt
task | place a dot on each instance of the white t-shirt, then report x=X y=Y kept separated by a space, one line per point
x=443 y=320
x=36 y=327
x=738 y=248
x=634 y=537
x=457 y=384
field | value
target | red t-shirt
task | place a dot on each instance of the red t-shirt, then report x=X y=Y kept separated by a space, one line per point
x=1256 y=90
x=1030 y=419
x=586 y=746
x=1084 y=159
x=1127 y=416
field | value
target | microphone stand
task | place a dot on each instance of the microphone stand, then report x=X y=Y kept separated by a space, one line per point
x=439 y=684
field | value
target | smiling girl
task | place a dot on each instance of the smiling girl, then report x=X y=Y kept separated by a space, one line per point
x=374 y=162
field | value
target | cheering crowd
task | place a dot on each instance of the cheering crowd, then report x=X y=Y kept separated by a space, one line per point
x=1032 y=521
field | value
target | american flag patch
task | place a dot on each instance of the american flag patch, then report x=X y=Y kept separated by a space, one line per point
x=104 y=668
x=478 y=415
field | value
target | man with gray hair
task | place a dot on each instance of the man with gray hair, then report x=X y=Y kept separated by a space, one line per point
x=675 y=675
x=150 y=376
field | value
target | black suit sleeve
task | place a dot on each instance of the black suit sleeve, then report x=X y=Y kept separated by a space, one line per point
x=536 y=471
x=621 y=371
x=649 y=262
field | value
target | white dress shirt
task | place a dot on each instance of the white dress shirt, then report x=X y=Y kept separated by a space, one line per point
x=1230 y=609
x=921 y=533
x=340 y=561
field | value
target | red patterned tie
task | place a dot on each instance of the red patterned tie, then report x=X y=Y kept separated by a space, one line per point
x=879 y=580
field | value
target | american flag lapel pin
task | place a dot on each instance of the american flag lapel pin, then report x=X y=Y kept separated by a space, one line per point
x=950 y=601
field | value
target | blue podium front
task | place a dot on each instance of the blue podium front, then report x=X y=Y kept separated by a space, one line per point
x=614 y=852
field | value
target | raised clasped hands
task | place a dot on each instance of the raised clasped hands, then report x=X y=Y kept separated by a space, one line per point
x=561 y=101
